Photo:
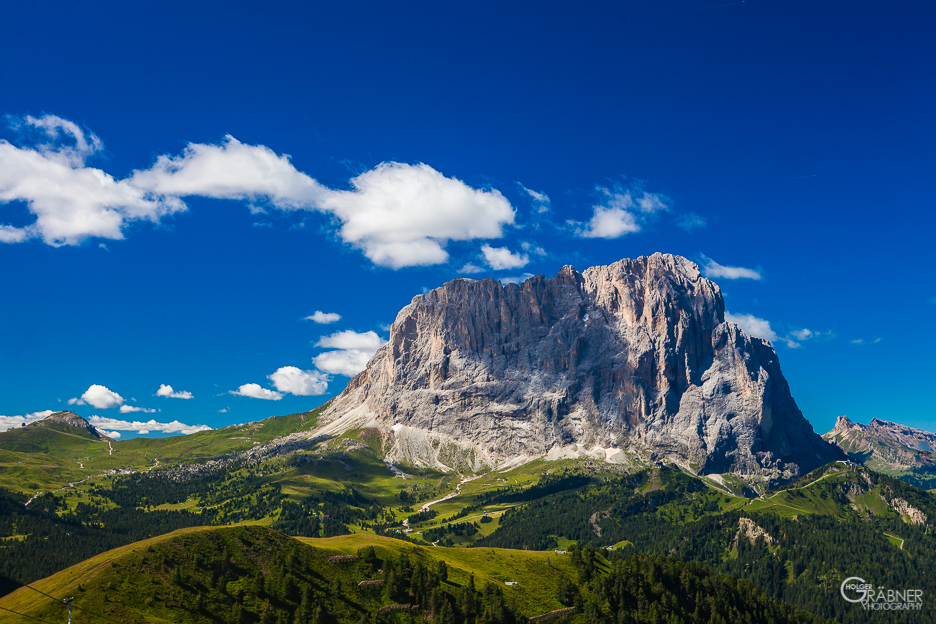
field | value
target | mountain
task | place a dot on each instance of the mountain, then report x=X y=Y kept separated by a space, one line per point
x=631 y=363
x=891 y=448
x=61 y=432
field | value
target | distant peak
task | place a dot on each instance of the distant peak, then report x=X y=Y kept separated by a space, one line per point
x=70 y=419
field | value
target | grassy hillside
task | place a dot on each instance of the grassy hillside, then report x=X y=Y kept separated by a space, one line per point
x=253 y=574
x=51 y=457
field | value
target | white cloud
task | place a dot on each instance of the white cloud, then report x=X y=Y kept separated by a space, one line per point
x=470 y=268
x=165 y=390
x=501 y=258
x=620 y=213
x=531 y=248
x=803 y=334
x=752 y=325
x=348 y=362
x=610 y=222
x=256 y=391
x=292 y=380
x=15 y=422
x=862 y=341
x=541 y=200
x=323 y=317
x=110 y=434
x=397 y=214
x=224 y=410
x=715 y=270
x=129 y=409
x=403 y=215
x=70 y=201
x=349 y=339
x=230 y=170
x=354 y=351
x=98 y=396
x=115 y=424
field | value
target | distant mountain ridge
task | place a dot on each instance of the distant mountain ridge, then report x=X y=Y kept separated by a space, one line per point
x=891 y=448
x=631 y=362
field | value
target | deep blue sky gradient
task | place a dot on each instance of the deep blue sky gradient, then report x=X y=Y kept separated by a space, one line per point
x=803 y=132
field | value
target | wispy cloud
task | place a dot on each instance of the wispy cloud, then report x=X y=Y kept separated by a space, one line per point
x=541 y=201
x=712 y=269
x=690 y=221
x=621 y=212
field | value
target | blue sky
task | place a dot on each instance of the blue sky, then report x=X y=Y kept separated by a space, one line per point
x=182 y=185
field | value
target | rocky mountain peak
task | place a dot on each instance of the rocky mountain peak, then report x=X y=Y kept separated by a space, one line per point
x=70 y=419
x=631 y=362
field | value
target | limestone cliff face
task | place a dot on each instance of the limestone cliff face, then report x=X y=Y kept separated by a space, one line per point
x=630 y=362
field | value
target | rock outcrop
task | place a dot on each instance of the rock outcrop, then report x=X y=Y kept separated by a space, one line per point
x=631 y=362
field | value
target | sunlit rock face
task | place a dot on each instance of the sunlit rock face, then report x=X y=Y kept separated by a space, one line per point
x=628 y=362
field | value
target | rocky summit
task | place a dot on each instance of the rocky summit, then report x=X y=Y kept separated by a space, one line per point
x=630 y=363
x=894 y=449
x=70 y=419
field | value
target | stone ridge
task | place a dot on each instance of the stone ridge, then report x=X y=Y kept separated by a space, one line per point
x=631 y=362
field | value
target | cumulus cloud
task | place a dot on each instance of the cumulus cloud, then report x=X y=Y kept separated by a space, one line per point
x=620 y=213
x=752 y=325
x=350 y=339
x=501 y=258
x=115 y=424
x=397 y=214
x=714 y=270
x=256 y=391
x=71 y=201
x=231 y=170
x=403 y=215
x=353 y=350
x=15 y=422
x=292 y=380
x=129 y=409
x=98 y=396
x=165 y=390
x=323 y=318
x=110 y=434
